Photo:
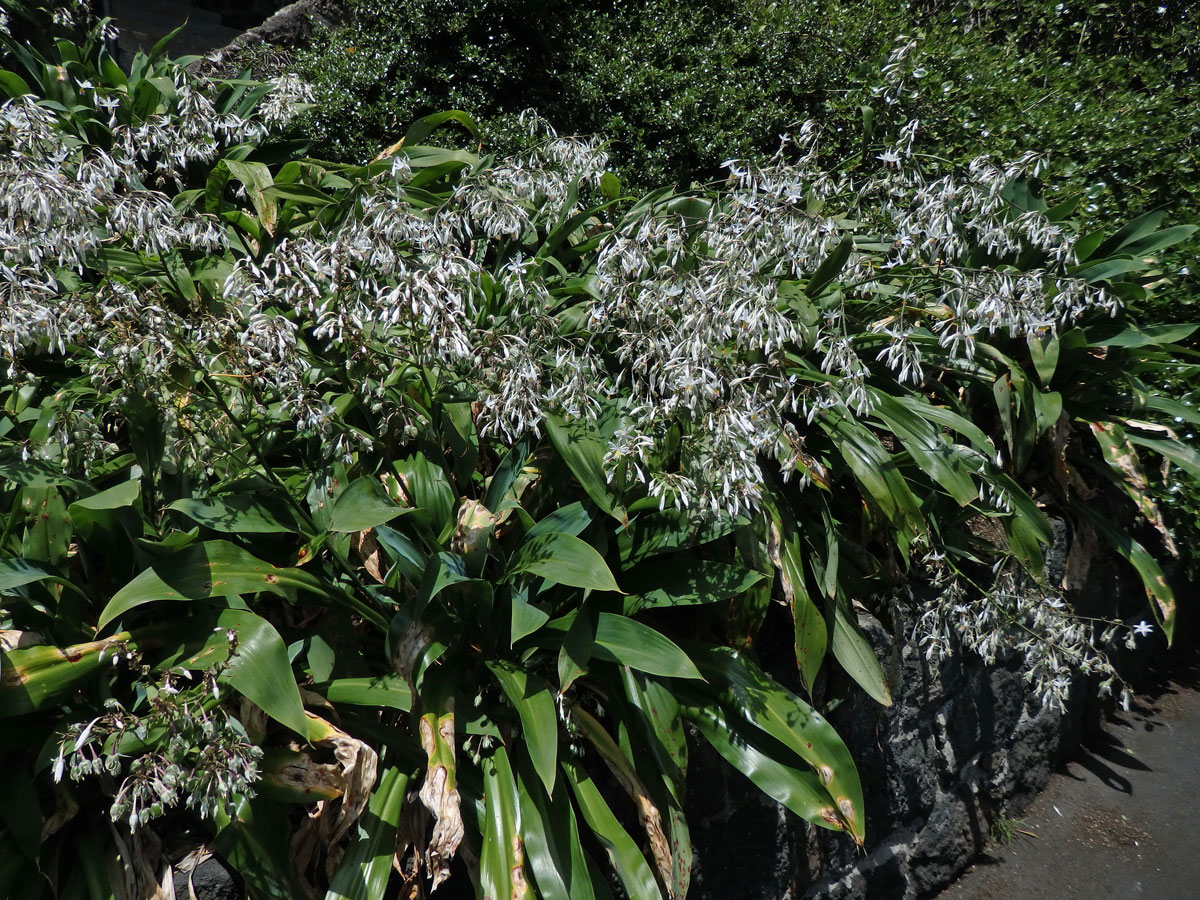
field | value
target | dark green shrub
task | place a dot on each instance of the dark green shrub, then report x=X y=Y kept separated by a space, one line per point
x=677 y=86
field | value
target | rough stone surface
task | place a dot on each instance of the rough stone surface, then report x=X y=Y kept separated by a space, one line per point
x=211 y=880
x=961 y=742
x=290 y=27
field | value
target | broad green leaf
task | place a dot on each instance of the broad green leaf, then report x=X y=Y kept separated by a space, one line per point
x=1048 y=406
x=303 y=194
x=211 y=569
x=1132 y=231
x=442 y=571
x=667 y=530
x=1108 y=269
x=256 y=178
x=32 y=678
x=619 y=762
x=800 y=790
x=260 y=669
x=740 y=685
x=1043 y=351
x=425 y=126
x=1024 y=507
x=876 y=473
x=552 y=838
x=571 y=519
x=684 y=580
x=564 y=559
x=659 y=716
x=505 y=476
x=1153 y=335
x=623 y=854
x=1177 y=452
x=640 y=647
x=362 y=505
x=426 y=486
x=947 y=418
x=409 y=559
x=239 y=514
x=830 y=267
x=388 y=691
x=15 y=573
x=120 y=495
x=582 y=447
x=1159 y=240
x=577 y=648
x=13 y=84
x=365 y=869
x=525 y=618
x=1179 y=411
x=539 y=720
x=97 y=511
x=255 y=842
x=502 y=859
x=811 y=634
x=854 y=654
x=47 y=537
x=932 y=454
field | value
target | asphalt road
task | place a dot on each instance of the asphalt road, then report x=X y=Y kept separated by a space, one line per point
x=1121 y=821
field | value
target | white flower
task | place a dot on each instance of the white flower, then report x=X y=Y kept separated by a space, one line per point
x=1143 y=628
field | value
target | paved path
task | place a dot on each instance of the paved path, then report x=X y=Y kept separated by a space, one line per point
x=1121 y=821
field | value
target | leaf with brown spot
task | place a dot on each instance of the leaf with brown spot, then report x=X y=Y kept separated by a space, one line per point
x=439 y=791
x=648 y=814
x=502 y=860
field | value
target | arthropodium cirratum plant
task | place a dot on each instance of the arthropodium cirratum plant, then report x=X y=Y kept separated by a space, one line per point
x=479 y=487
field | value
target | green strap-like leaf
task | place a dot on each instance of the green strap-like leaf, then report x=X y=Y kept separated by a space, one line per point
x=810 y=633
x=255 y=842
x=740 y=685
x=364 y=871
x=658 y=713
x=877 y=474
x=384 y=691
x=1162 y=598
x=362 y=505
x=933 y=455
x=564 y=559
x=539 y=721
x=853 y=653
x=582 y=448
x=684 y=581
x=641 y=647
x=1177 y=452
x=623 y=853
x=15 y=573
x=559 y=864
x=430 y=491
x=260 y=669
x=239 y=514
x=211 y=569
x=800 y=790
x=502 y=860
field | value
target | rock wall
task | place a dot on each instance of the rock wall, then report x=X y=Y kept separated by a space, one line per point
x=961 y=743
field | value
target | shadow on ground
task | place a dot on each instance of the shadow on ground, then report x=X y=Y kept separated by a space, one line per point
x=1122 y=819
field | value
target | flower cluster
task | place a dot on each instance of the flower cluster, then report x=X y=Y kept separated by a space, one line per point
x=183 y=750
x=1013 y=616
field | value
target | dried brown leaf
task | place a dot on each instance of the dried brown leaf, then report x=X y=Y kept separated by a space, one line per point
x=439 y=792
